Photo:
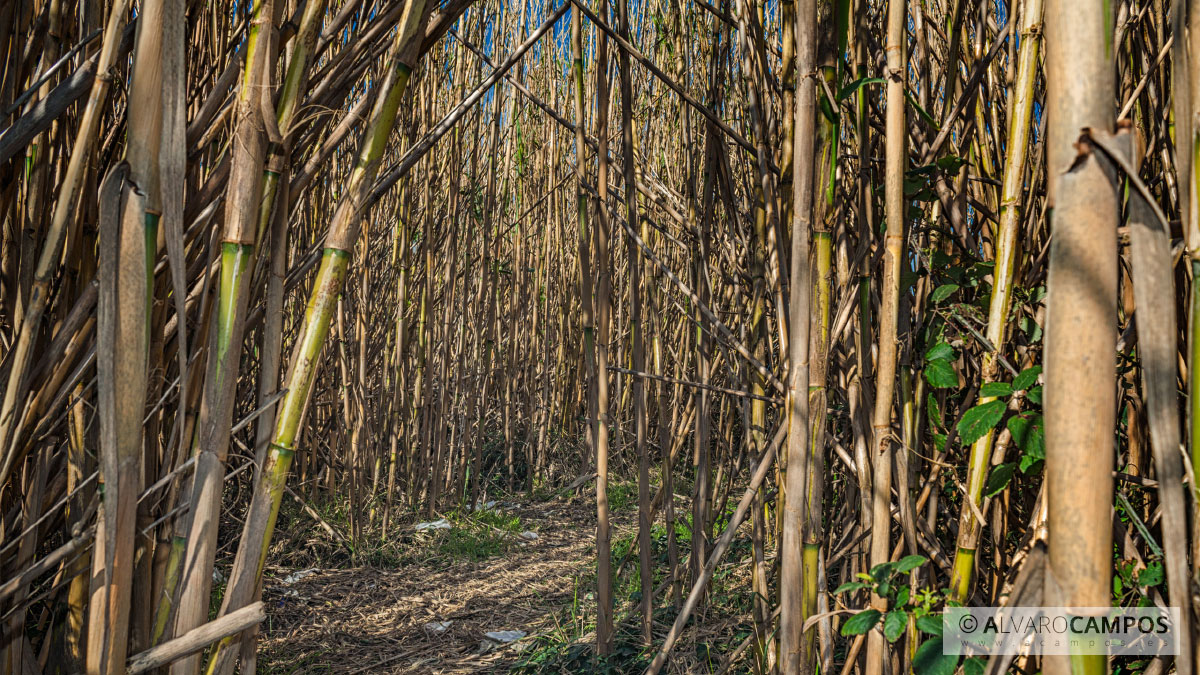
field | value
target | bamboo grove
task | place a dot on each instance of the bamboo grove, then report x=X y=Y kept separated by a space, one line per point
x=888 y=306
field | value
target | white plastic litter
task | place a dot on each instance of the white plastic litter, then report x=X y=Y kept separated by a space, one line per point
x=506 y=635
x=435 y=627
x=297 y=576
x=529 y=535
x=441 y=524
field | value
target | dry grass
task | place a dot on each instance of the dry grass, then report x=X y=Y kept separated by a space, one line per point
x=347 y=618
x=365 y=619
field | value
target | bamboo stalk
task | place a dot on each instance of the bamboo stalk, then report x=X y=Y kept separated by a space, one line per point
x=1005 y=270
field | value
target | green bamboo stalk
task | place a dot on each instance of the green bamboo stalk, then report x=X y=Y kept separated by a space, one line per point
x=339 y=243
x=1020 y=128
x=238 y=252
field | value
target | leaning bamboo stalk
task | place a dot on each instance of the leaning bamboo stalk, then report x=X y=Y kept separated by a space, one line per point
x=211 y=443
x=1019 y=130
x=198 y=638
x=427 y=142
x=274 y=209
x=343 y=233
x=718 y=552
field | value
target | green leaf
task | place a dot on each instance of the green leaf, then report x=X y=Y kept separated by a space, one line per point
x=882 y=571
x=1028 y=433
x=940 y=374
x=893 y=624
x=856 y=85
x=929 y=659
x=1034 y=395
x=999 y=478
x=910 y=562
x=902 y=597
x=934 y=411
x=940 y=351
x=850 y=586
x=1027 y=378
x=942 y=292
x=995 y=389
x=979 y=420
x=973 y=665
x=939 y=442
x=951 y=163
x=1152 y=575
x=931 y=624
x=920 y=111
x=861 y=622
x=1031 y=329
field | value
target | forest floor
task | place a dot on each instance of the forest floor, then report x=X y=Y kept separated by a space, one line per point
x=385 y=610
x=388 y=618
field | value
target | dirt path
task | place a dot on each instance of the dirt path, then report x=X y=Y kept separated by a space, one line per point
x=373 y=620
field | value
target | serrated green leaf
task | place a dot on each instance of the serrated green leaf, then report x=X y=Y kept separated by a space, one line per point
x=1028 y=433
x=1152 y=575
x=934 y=411
x=882 y=571
x=995 y=389
x=974 y=665
x=940 y=374
x=931 y=624
x=939 y=442
x=979 y=420
x=929 y=659
x=1030 y=465
x=861 y=622
x=940 y=351
x=942 y=292
x=910 y=562
x=1034 y=395
x=1027 y=378
x=999 y=478
x=894 y=623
